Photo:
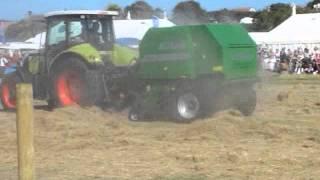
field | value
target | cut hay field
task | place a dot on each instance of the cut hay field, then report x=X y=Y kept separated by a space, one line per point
x=280 y=141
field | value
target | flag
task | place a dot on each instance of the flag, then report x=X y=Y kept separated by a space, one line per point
x=155 y=21
x=2 y=36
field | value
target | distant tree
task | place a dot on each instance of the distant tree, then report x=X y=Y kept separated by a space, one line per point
x=26 y=28
x=158 y=12
x=116 y=7
x=113 y=7
x=312 y=3
x=189 y=12
x=140 y=10
x=228 y=16
x=271 y=17
x=303 y=10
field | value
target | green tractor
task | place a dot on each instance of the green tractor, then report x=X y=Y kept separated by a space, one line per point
x=182 y=72
x=78 y=62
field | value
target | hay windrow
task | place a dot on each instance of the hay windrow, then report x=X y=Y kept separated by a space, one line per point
x=280 y=141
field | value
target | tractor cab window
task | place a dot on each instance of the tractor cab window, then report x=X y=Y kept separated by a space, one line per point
x=76 y=31
x=95 y=33
x=57 y=32
x=100 y=33
x=71 y=30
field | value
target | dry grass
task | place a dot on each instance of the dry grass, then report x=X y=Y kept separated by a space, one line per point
x=280 y=141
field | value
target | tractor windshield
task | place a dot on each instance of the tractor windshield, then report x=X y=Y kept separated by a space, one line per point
x=98 y=31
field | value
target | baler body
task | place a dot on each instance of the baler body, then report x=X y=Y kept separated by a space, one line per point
x=195 y=51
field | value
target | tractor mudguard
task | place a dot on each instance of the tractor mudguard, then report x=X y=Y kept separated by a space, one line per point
x=123 y=56
x=85 y=52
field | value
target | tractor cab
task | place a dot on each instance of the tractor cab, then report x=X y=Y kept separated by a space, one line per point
x=66 y=29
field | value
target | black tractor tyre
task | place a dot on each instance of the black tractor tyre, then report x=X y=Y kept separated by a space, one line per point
x=184 y=106
x=8 y=91
x=136 y=111
x=70 y=84
x=247 y=101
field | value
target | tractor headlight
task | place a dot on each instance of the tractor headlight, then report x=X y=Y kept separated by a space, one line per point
x=94 y=59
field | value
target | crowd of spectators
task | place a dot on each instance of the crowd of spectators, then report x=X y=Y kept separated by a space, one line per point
x=291 y=60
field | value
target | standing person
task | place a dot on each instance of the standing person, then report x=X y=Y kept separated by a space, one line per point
x=283 y=55
x=316 y=58
x=16 y=57
x=283 y=60
x=291 y=61
x=300 y=56
x=307 y=63
x=3 y=64
x=265 y=57
x=277 y=67
x=272 y=60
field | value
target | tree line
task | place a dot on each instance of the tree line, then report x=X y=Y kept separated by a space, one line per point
x=184 y=13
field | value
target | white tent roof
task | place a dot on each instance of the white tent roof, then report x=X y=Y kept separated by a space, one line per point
x=246 y=20
x=297 y=29
x=300 y=28
x=20 y=45
x=38 y=39
x=260 y=37
x=137 y=28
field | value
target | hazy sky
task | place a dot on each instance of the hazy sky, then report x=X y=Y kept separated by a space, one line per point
x=16 y=9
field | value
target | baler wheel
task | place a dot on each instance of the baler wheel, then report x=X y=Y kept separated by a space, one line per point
x=136 y=111
x=133 y=115
x=247 y=102
x=186 y=107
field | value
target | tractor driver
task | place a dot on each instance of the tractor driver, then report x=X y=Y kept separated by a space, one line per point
x=94 y=37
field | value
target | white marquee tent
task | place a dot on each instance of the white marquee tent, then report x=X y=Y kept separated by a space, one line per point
x=39 y=39
x=137 y=28
x=299 y=30
x=133 y=30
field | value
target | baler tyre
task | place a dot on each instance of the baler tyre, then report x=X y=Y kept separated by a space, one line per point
x=247 y=102
x=136 y=110
x=134 y=114
x=186 y=107
x=8 y=91
x=69 y=83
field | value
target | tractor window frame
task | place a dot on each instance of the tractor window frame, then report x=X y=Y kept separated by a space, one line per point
x=53 y=22
x=107 y=36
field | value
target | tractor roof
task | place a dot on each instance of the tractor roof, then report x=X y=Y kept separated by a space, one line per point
x=81 y=12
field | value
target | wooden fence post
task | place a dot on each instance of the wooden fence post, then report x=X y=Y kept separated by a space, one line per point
x=25 y=131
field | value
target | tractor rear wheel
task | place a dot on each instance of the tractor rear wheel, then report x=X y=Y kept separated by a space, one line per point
x=8 y=91
x=70 y=84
